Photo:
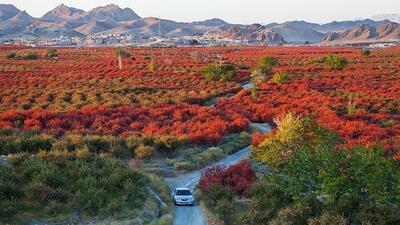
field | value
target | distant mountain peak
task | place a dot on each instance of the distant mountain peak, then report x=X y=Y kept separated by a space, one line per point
x=63 y=12
x=365 y=33
x=7 y=11
x=210 y=22
x=111 y=11
x=22 y=15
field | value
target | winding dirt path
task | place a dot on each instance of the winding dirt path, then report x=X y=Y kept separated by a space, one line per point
x=194 y=215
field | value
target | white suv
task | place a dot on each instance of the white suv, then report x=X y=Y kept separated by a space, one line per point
x=182 y=196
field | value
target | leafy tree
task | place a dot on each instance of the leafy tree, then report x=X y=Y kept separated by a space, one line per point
x=293 y=134
x=219 y=72
x=255 y=77
x=220 y=200
x=334 y=62
x=295 y=214
x=351 y=106
x=267 y=199
x=266 y=64
x=260 y=73
x=121 y=53
x=194 y=42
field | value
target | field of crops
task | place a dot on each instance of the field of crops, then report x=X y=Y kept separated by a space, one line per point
x=161 y=91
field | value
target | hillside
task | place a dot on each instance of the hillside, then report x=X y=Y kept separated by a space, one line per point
x=254 y=33
x=68 y=21
x=387 y=32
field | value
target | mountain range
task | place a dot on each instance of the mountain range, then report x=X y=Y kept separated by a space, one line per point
x=72 y=22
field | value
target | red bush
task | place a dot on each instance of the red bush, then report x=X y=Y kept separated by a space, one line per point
x=239 y=177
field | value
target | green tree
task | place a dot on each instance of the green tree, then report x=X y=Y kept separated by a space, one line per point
x=351 y=106
x=266 y=64
x=293 y=134
x=121 y=53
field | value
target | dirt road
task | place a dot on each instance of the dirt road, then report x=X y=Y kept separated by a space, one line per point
x=194 y=215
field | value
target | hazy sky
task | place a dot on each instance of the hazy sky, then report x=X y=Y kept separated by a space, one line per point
x=234 y=11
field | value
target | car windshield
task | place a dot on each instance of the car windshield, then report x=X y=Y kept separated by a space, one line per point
x=183 y=192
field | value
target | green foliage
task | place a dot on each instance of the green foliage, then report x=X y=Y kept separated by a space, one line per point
x=195 y=158
x=334 y=62
x=267 y=199
x=293 y=134
x=295 y=214
x=17 y=142
x=219 y=72
x=11 y=55
x=266 y=64
x=152 y=65
x=144 y=152
x=282 y=78
x=319 y=185
x=365 y=52
x=351 y=106
x=121 y=52
x=30 y=56
x=328 y=218
x=13 y=141
x=59 y=184
x=220 y=200
x=51 y=53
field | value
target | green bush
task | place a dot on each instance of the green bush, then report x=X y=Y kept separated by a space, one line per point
x=59 y=185
x=282 y=78
x=328 y=218
x=365 y=52
x=11 y=55
x=30 y=56
x=334 y=62
x=51 y=53
x=266 y=64
x=219 y=72
x=152 y=65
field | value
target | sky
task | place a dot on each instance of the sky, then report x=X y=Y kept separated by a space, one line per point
x=233 y=11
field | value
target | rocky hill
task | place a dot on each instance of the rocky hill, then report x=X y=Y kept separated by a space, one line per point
x=387 y=32
x=68 y=21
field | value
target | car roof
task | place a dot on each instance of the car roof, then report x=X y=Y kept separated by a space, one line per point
x=182 y=189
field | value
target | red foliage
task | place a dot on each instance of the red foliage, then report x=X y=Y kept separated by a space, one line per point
x=201 y=124
x=239 y=177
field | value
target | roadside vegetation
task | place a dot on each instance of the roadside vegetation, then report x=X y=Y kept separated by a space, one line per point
x=52 y=186
x=313 y=179
x=196 y=158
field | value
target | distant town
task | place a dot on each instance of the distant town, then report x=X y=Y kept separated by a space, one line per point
x=125 y=40
x=156 y=41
